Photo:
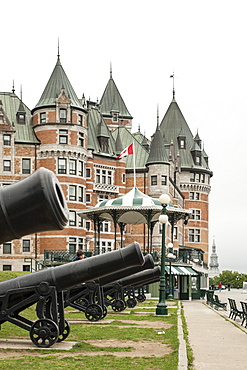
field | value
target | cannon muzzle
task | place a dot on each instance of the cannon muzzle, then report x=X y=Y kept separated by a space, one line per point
x=107 y=279
x=66 y=276
x=32 y=205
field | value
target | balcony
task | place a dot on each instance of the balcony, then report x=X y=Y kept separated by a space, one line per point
x=106 y=188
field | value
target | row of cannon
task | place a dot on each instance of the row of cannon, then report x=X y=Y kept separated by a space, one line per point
x=89 y=285
x=115 y=279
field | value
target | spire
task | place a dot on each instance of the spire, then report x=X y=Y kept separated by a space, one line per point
x=13 y=87
x=58 y=54
x=110 y=70
x=158 y=118
x=173 y=90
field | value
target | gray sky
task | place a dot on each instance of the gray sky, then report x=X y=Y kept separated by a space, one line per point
x=204 y=43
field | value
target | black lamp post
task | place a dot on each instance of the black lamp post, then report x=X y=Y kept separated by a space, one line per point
x=170 y=257
x=161 y=308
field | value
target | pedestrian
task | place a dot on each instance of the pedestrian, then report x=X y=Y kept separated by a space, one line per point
x=79 y=255
x=229 y=287
x=220 y=287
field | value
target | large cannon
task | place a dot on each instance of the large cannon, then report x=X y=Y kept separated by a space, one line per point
x=32 y=205
x=20 y=293
x=88 y=297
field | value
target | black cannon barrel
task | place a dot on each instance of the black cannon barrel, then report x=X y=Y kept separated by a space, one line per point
x=31 y=205
x=107 y=279
x=141 y=277
x=73 y=273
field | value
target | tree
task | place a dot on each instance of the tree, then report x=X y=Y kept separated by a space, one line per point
x=235 y=278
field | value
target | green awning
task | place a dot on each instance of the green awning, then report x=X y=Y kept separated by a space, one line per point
x=180 y=270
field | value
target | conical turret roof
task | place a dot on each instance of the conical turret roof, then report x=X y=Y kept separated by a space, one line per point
x=157 y=152
x=58 y=81
x=112 y=101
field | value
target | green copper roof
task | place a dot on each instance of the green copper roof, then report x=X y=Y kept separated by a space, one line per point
x=157 y=152
x=112 y=101
x=174 y=125
x=58 y=81
x=94 y=121
x=11 y=105
x=141 y=154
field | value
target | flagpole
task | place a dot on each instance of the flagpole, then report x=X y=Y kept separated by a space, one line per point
x=134 y=164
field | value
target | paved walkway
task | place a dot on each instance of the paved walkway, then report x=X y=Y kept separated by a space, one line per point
x=215 y=341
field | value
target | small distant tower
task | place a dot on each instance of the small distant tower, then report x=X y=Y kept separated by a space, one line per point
x=214 y=265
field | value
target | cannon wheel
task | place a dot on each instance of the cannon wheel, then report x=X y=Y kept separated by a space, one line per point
x=62 y=336
x=94 y=312
x=141 y=297
x=118 y=305
x=44 y=333
x=104 y=311
x=131 y=302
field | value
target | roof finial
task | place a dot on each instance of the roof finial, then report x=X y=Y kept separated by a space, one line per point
x=13 y=87
x=110 y=70
x=21 y=92
x=158 y=123
x=58 y=55
x=173 y=90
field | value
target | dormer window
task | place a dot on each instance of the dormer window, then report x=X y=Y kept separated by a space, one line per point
x=115 y=115
x=63 y=115
x=182 y=142
x=21 y=118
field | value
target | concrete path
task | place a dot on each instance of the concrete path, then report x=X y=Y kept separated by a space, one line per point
x=215 y=341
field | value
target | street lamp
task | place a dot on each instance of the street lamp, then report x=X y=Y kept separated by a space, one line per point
x=161 y=308
x=170 y=256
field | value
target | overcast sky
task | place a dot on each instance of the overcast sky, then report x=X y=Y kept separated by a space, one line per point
x=204 y=43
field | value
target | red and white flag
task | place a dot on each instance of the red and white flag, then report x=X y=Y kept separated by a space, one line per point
x=126 y=151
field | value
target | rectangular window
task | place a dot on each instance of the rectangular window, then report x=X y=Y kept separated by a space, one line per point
x=7 y=165
x=163 y=180
x=80 y=121
x=88 y=225
x=192 y=195
x=62 y=165
x=97 y=180
x=72 y=167
x=26 y=166
x=63 y=136
x=63 y=115
x=109 y=178
x=123 y=178
x=7 y=268
x=197 y=196
x=175 y=233
x=7 y=248
x=88 y=198
x=43 y=117
x=21 y=118
x=6 y=139
x=154 y=180
x=72 y=245
x=197 y=177
x=80 y=168
x=26 y=268
x=88 y=172
x=203 y=177
x=196 y=214
x=103 y=176
x=194 y=235
x=192 y=177
x=72 y=218
x=81 y=139
x=72 y=192
x=80 y=194
x=25 y=245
